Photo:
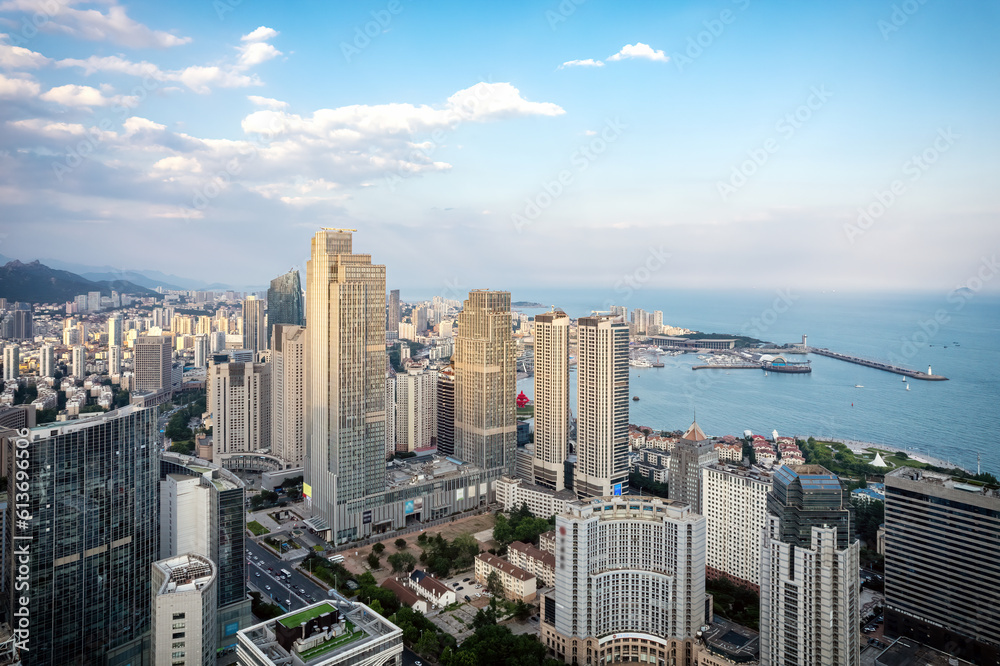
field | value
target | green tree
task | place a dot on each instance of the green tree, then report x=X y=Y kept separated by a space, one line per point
x=400 y=544
x=373 y=561
x=378 y=548
x=494 y=584
x=401 y=562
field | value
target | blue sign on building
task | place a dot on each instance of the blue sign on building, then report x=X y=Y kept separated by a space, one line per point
x=617 y=489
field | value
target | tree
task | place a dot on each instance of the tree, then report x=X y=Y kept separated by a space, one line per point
x=494 y=584
x=400 y=544
x=373 y=560
x=427 y=645
x=401 y=562
x=522 y=611
x=378 y=548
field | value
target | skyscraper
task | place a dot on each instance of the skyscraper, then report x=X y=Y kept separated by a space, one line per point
x=151 y=363
x=630 y=581
x=201 y=350
x=254 y=331
x=239 y=399
x=484 y=360
x=734 y=502
x=114 y=360
x=11 y=362
x=93 y=532
x=445 y=421
x=288 y=370
x=184 y=610
x=79 y=362
x=809 y=586
x=392 y=313
x=551 y=398
x=942 y=541
x=345 y=385
x=416 y=398
x=114 y=324
x=693 y=453
x=602 y=407
x=284 y=302
x=46 y=361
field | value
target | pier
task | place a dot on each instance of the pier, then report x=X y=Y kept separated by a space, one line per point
x=878 y=365
x=741 y=366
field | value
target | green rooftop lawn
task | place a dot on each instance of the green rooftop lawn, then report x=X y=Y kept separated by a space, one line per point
x=344 y=639
x=306 y=615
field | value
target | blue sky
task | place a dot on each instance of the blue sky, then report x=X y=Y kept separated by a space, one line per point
x=469 y=144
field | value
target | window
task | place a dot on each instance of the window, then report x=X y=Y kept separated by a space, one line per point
x=178 y=616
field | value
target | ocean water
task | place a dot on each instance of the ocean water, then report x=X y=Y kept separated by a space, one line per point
x=958 y=334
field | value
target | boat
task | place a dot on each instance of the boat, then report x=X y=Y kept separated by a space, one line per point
x=635 y=398
x=858 y=386
x=904 y=379
x=907 y=387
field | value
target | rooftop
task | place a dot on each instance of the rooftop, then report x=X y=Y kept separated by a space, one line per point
x=412 y=471
x=944 y=481
x=185 y=573
x=906 y=652
x=734 y=641
x=504 y=566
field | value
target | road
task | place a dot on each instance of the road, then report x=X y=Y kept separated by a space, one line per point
x=282 y=591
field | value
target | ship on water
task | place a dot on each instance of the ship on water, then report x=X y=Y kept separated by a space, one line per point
x=780 y=364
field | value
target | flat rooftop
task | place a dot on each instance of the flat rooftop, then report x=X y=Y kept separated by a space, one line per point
x=413 y=471
x=734 y=641
x=906 y=652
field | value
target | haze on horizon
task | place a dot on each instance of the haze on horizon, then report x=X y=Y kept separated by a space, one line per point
x=732 y=144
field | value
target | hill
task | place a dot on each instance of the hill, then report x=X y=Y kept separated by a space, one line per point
x=37 y=283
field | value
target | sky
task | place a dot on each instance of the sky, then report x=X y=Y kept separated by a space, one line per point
x=573 y=143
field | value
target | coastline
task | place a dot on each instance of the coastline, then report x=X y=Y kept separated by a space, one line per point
x=862 y=447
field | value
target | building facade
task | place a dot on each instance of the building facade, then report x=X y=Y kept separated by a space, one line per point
x=942 y=563
x=284 y=302
x=254 y=324
x=151 y=363
x=416 y=402
x=734 y=501
x=183 y=618
x=444 y=422
x=239 y=399
x=688 y=458
x=629 y=579
x=93 y=528
x=518 y=584
x=551 y=398
x=809 y=583
x=345 y=385
x=288 y=369
x=11 y=362
x=602 y=407
x=484 y=361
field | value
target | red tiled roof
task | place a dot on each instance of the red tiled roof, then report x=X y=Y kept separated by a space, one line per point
x=505 y=566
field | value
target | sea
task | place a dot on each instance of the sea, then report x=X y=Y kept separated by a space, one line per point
x=957 y=334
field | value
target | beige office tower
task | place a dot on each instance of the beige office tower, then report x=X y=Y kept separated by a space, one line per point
x=184 y=609
x=79 y=362
x=114 y=331
x=484 y=360
x=602 y=407
x=551 y=398
x=239 y=398
x=46 y=361
x=254 y=324
x=151 y=363
x=288 y=367
x=345 y=385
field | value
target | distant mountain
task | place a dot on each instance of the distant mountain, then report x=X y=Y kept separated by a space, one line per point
x=135 y=277
x=37 y=283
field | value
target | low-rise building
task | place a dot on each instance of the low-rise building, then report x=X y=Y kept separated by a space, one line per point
x=729 y=452
x=547 y=541
x=323 y=634
x=533 y=560
x=542 y=502
x=406 y=596
x=518 y=584
x=653 y=464
x=432 y=589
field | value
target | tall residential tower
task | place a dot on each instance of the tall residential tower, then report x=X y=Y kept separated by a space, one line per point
x=551 y=398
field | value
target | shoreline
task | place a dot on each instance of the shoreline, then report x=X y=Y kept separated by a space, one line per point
x=857 y=446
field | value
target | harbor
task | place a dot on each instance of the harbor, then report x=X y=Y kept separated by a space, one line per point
x=878 y=365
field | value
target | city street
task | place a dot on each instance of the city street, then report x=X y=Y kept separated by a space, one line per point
x=282 y=591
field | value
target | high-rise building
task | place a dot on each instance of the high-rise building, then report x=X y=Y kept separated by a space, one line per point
x=551 y=399
x=809 y=583
x=151 y=363
x=93 y=301
x=114 y=360
x=445 y=421
x=79 y=362
x=288 y=370
x=184 y=610
x=345 y=386
x=734 y=502
x=239 y=399
x=11 y=362
x=284 y=302
x=202 y=512
x=46 y=361
x=114 y=324
x=630 y=582
x=17 y=323
x=390 y=411
x=392 y=313
x=93 y=537
x=416 y=398
x=484 y=361
x=201 y=350
x=254 y=329
x=942 y=546
x=419 y=319
x=602 y=407
x=693 y=452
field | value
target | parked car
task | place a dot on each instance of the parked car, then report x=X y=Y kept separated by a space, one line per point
x=467 y=598
x=257 y=574
x=267 y=587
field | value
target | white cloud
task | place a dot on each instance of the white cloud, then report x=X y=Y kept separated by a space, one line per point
x=115 y=26
x=60 y=131
x=489 y=101
x=256 y=53
x=267 y=102
x=135 y=124
x=95 y=64
x=260 y=34
x=179 y=163
x=15 y=88
x=84 y=96
x=639 y=50
x=589 y=62
x=200 y=79
x=18 y=57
